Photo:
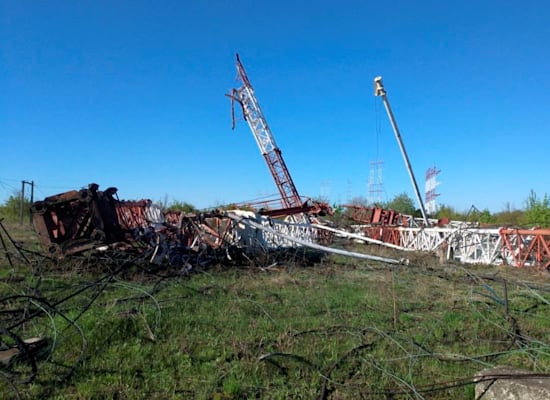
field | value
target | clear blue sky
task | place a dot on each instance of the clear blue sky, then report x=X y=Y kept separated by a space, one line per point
x=131 y=94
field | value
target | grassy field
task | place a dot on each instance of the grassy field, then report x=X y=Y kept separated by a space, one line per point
x=335 y=329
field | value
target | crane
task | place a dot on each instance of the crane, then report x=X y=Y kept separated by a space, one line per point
x=253 y=114
x=380 y=91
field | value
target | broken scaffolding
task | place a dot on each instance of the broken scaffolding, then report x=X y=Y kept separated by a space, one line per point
x=469 y=244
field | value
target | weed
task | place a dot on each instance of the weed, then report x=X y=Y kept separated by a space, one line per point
x=337 y=330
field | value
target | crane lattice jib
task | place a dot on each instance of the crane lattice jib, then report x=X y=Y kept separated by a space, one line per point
x=262 y=134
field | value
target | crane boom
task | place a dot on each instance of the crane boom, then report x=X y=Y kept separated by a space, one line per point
x=266 y=142
x=379 y=90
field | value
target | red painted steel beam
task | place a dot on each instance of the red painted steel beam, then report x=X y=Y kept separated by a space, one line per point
x=527 y=246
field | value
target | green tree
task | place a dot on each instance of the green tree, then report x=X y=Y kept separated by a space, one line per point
x=402 y=203
x=482 y=217
x=537 y=211
x=338 y=209
x=446 y=211
x=510 y=216
x=11 y=208
x=485 y=217
x=177 y=205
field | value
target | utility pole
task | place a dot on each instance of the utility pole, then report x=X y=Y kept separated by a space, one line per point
x=22 y=200
x=380 y=91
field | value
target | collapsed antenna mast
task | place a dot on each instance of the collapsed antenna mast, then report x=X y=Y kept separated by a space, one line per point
x=380 y=91
x=266 y=142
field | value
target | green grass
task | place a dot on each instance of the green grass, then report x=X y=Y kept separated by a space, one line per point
x=340 y=329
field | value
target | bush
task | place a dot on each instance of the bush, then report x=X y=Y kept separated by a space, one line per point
x=537 y=211
x=11 y=209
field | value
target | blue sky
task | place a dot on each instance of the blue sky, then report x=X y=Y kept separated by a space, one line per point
x=131 y=94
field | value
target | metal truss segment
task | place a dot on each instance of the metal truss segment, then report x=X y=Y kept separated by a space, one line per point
x=264 y=138
x=526 y=247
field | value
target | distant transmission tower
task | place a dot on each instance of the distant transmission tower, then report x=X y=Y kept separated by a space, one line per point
x=324 y=193
x=431 y=184
x=376 y=183
x=349 y=191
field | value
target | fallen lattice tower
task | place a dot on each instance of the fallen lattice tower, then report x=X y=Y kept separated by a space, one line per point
x=454 y=240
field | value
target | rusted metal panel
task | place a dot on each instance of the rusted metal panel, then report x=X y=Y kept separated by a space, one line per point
x=74 y=221
x=135 y=214
x=271 y=208
x=384 y=234
x=376 y=216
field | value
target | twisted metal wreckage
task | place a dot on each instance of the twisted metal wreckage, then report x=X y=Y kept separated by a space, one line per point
x=465 y=242
x=80 y=220
x=76 y=221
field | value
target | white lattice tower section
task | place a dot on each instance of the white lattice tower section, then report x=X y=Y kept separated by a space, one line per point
x=431 y=185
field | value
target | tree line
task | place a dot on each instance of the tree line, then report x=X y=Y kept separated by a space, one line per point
x=536 y=211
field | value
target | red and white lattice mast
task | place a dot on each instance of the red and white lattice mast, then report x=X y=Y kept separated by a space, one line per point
x=252 y=113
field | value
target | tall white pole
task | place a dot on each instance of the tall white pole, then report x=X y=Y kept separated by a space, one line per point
x=380 y=91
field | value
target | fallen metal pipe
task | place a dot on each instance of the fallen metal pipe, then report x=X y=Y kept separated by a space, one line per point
x=360 y=237
x=256 y=225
